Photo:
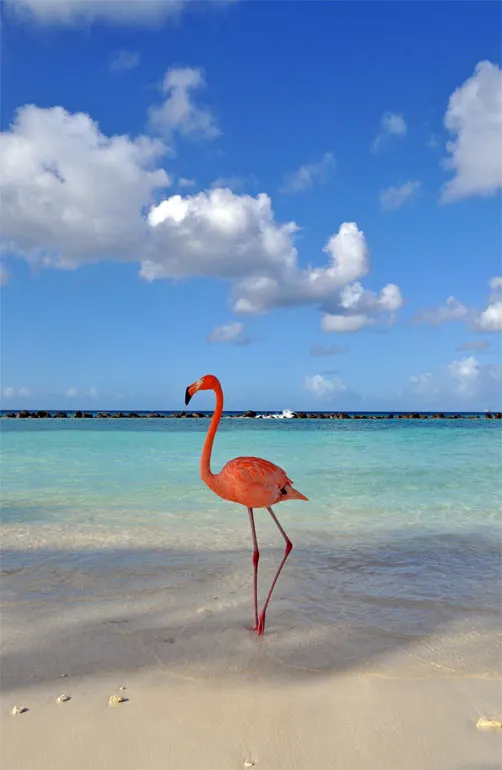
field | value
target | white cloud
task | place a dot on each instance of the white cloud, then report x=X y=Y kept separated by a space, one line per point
x=474 y=118
x=322 y=387
x=71 y=393
x=424 y=385
x=178 y=112
x=362 y=308
x=466 y=372
x=394 y=197
x=326 y=350
x=233 y=332
x=344 y=323
x=184 y=182
x=391 y=124
x=74 y=12
x=71 y=195
x=92 y=392
x=461 y=384
x=123 y=60
x=11 y=392
x=490 y=320
x=451 y=311
x=306 y=176
x=4 y=275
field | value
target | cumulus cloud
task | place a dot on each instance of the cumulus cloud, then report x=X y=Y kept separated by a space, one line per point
x=71 y=393
x=391 y=124
x=490 y=319
x=326 y=350
x=362 y=307
x=466 y=372
x=178 y=111
x=322 y=387
x=452 y=310
x=233 y=332
x=474 y=118
x=309 y=174
x=394 y=197
x=75 y=12
x=71 y=195
x=121 y=61
x=184 y=182
x=463 y=382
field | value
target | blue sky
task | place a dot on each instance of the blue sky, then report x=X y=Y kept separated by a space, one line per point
x=240 y=187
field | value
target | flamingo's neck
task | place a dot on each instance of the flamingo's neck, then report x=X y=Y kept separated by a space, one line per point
x=205 y=460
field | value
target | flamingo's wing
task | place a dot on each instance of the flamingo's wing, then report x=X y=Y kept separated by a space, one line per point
x=254 y=471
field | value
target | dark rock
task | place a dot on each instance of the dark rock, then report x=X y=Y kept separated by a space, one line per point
x=87 y=415
x=415 y=416
x=133 y=415
x=61 y=416
x=23 y=414
x=78 y=415
x=249 y=413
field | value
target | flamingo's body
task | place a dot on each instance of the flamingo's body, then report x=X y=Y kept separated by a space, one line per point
x=253 y=482
x=249 y=481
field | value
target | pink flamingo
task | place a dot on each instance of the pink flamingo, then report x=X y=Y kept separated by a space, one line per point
x=249 y=481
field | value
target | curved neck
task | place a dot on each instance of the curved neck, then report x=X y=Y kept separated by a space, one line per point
x=205 y=460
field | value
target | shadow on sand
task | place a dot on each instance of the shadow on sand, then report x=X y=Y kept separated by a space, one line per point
x=407 y=605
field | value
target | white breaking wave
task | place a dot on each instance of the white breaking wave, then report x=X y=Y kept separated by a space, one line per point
x=286 y=414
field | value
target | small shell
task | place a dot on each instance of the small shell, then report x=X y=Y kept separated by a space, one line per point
x=249 y=763
x=63 y=698
x=18 y=710
x=115 y=699
x=122 y=688
x=63 y=675
x=486 y=723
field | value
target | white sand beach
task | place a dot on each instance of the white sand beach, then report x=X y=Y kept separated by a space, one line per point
x=321 y=690
x=322 y=722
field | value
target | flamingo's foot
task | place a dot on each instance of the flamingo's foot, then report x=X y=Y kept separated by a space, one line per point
x=260 y=628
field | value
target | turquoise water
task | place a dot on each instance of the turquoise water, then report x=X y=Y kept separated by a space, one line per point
x=400 y=538
x=359 y=476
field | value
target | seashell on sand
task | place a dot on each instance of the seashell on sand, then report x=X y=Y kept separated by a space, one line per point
x=115 y=700
x=63 y=698
x=18 y=710
x=483 y=724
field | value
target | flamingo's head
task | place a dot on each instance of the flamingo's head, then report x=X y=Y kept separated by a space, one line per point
x=208 y=382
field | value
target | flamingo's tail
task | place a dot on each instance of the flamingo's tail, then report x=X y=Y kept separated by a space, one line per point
x=293 y=494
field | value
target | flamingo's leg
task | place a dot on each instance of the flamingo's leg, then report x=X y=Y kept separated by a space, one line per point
x=288 y=549
x=256 y=559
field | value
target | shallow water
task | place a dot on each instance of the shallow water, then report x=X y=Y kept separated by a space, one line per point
x=107 y=526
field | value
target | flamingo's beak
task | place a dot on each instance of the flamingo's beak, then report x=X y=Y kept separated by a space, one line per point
x=188 y=396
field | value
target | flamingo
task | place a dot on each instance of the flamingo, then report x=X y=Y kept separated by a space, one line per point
x=249 y=481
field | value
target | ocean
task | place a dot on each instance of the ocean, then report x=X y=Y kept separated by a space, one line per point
x=107 y=521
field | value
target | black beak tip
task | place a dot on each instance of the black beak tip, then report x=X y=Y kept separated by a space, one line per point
x=187 y=397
